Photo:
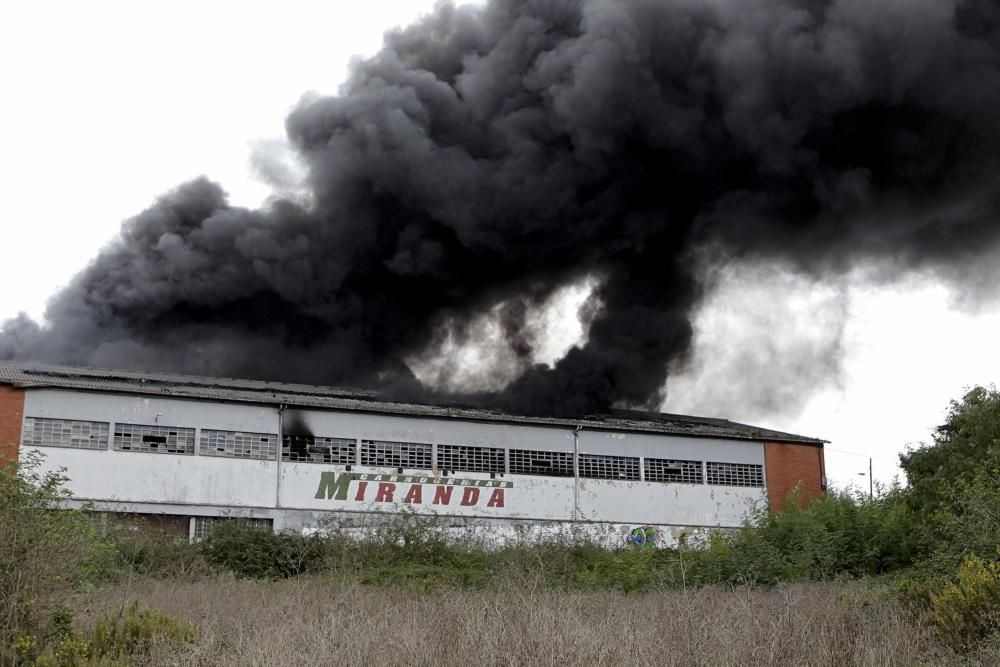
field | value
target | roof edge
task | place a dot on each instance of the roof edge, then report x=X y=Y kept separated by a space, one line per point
x=191 y=387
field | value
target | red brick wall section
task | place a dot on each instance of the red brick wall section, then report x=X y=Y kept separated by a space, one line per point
x=11 y=411
x=789 y=464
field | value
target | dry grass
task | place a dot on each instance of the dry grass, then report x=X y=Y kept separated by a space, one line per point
x=320 y=621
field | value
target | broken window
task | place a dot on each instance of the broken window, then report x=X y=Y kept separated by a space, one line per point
x=530 y=462
x=238 y=444
x=310 y=449
x=470 y=459
x=153 y=439
x=600 y=466
x=734 y=474
x=204 y=526
x=389 y=454
x=673 y=470
x=43 y=432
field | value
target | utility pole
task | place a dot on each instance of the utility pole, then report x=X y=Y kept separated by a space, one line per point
x=871 y=481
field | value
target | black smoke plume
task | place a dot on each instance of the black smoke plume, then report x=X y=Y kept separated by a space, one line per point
x=489 y=155
x=296 y=436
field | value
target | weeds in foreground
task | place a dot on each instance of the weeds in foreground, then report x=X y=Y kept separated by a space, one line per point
x=319 y=619
x=116 y=638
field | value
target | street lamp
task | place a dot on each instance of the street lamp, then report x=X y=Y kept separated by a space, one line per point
x=871 y=483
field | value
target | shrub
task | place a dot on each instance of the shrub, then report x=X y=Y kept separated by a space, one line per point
x=838 y=535
x=251 y=553
x=137 y=629
x=428 y=576
x=967 y=609
x=155 y=554
x=45 y=551
x=114 y=640
x=627 y=570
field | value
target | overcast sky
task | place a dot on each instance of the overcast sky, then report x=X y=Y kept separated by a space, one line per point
x=108 y=104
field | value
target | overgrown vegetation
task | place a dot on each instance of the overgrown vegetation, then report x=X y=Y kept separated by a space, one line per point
x=49 y=557
x=45 y=554
x=117 y=638
x=930 y=550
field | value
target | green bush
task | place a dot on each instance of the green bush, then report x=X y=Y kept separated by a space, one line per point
x=839 y=535
x=627 y=570
x=251 y=553
x=967 y=609
x=114 y=640
x=136 y=630
x=45 y=552
x=427 y=576
x=154 y=554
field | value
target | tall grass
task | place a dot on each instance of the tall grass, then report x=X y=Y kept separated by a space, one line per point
x=322 y=621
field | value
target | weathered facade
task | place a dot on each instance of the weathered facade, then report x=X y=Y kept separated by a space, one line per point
x=290 y=455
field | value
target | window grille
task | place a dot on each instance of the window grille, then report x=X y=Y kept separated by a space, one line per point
x=42 y=432
x=734 y=474
x=238 y=444
x=671 y=470
x=308 y=449
x=412 y=455
x=529 y=462
x=600 y=466
x=204 y=526
x=470 y=459
x=153 y=439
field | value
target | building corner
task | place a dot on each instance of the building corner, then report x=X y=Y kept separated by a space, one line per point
x=11 y=418
x=791 y=466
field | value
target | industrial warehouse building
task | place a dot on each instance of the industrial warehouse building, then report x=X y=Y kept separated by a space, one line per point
x=189 y=451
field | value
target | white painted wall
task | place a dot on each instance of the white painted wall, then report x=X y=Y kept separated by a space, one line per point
x=665 y=504
x=441 y=431
x=164 y=478
x=63 y=404
x=671 y=447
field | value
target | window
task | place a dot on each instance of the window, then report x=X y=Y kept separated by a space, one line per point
x=306 y=448
x=153 y=439
x=734 y=474
x=238 y=444
x=204 y=526
x=671 y=470
x=529 y=462
x=599 y=466
x=383 y=453
x=41 y=432
x=470 y=459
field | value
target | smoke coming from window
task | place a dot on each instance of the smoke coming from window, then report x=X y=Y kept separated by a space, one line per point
x=490 y=156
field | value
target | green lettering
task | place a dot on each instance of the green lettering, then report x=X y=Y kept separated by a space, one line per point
x=332 y=486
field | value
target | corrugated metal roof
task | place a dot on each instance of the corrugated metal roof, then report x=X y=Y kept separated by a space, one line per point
x=28 y=374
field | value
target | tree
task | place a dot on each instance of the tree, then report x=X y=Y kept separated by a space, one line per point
x=954 y=483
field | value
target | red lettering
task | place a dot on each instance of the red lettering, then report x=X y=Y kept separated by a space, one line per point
x=385 y=492
x=442 y=495
x=496 y=500
x=414 y=495
x=470 y=496
x=361 y=491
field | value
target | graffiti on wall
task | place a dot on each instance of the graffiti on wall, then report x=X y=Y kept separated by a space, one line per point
x=644 y=537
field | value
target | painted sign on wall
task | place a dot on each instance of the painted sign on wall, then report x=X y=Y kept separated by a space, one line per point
x=412 y=489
